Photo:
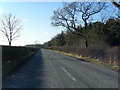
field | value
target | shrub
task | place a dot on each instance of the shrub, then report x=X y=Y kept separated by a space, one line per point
x=10 y=53
x=104 y=53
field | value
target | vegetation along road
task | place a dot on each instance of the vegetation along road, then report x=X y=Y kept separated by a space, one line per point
x=47 y=69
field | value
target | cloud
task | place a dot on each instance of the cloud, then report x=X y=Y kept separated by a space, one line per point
x=26 y=20
x=45 y=33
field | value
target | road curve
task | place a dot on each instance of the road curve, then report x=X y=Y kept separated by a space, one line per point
x=47 y=69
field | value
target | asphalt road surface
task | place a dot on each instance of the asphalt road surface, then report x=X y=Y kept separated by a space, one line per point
x=47 y=69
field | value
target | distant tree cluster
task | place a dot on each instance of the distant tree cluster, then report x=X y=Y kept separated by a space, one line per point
x=97 y=32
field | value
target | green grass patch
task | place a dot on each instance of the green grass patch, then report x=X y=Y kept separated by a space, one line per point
x=112 y=66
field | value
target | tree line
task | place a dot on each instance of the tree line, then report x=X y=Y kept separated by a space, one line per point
x=88 y=33
x=97 y=33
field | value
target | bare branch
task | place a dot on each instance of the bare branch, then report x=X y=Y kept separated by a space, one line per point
x=11 y=27
x=115 y=4
x=67 y=16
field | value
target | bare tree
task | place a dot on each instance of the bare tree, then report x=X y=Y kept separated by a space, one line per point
x=67 y=16
x=11 y=27
x=89 y=9
x=118 y=16
x=115 y=4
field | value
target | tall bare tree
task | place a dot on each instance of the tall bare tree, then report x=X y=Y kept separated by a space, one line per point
x=11 y=27
x=69 y=16
x=89 y=9
x=66 y=17
x=115 y=4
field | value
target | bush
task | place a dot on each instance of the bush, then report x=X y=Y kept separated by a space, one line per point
x=104 y=53
x=11 y=53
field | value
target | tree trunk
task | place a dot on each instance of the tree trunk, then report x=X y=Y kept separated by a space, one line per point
x=86 y=39
x=85 y=25
x=9 y=43
x=86 y=43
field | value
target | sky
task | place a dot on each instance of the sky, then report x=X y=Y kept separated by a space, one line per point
x=36 y=21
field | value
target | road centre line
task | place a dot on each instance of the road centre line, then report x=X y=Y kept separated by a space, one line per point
x=68 y=74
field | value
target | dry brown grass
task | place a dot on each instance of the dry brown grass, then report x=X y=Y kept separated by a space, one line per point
x=104 y=53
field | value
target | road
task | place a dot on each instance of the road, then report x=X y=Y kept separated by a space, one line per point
x=47 y=69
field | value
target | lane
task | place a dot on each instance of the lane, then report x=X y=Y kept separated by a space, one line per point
x=47 y=69
x=68 y=73
x=87 y=74
x=56 y=76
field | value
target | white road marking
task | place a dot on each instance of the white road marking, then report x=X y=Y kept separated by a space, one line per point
x=68 y=74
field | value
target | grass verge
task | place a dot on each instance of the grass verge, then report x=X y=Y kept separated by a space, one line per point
x=112 y=66
x=13 y=65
